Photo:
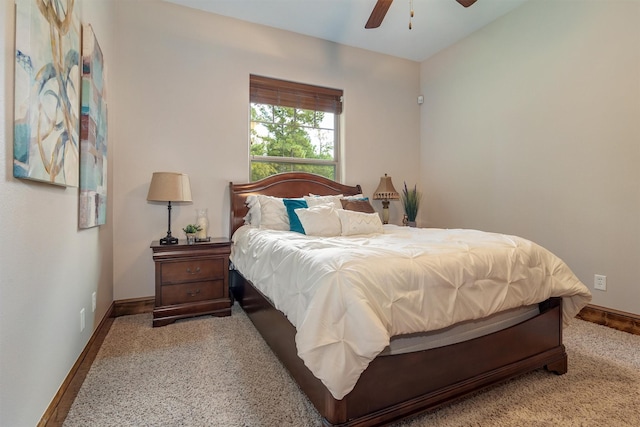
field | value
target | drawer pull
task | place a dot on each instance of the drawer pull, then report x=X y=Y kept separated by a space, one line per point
x=193 y=272
x=193 y=293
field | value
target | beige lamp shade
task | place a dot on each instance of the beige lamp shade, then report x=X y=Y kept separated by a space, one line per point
x=385 y=190
x=169 y=187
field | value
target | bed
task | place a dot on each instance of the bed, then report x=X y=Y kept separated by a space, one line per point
x=392 y=385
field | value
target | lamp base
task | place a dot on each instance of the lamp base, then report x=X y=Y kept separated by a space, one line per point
x=385 y=212
x=169 y=240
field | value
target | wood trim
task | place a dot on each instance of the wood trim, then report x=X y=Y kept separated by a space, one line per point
x=57 y=411
x=614 y=319
x=127 y=307
x=59 y=407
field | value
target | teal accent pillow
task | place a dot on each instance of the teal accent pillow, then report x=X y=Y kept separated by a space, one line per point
x=294 y=221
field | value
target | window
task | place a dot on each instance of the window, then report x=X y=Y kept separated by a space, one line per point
x=294 y=127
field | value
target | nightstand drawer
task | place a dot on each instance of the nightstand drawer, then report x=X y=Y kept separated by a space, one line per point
x=190 y=292
x=189 y=271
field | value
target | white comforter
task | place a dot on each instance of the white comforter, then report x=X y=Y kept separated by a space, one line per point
x=347 y=296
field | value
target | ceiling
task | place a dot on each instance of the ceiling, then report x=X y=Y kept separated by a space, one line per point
x=436 y=23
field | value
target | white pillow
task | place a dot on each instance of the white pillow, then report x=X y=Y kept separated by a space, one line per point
x=359 y=223
x=253 y=216
x=333 y=201
x=320 y=220
x=273 y=214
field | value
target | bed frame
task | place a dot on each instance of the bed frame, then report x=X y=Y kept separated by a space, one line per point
x=397 y=386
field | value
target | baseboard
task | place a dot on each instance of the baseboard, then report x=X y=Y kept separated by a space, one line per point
x=614 y=319
x=57 y=411
x=59 y=407
x=127 y=307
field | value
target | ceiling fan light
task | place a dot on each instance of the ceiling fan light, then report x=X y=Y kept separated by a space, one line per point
x=382 y=6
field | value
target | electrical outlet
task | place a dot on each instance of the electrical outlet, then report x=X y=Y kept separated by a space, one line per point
x=82 y=320
x=93 y=302
x=600 y=282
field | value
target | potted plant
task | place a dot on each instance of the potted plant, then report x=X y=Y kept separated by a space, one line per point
x=190 y=230
x=411 y=203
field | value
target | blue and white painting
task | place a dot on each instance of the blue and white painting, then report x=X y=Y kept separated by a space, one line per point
x=47 y=92
x=93 y=134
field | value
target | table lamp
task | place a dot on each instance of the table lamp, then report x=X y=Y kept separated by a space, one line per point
x=385 y=192
x=169 y=187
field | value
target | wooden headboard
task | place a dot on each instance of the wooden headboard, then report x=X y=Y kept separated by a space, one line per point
x=288 y=184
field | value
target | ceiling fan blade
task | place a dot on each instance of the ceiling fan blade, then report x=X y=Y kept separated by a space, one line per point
x=466 y=3
x=378 y=13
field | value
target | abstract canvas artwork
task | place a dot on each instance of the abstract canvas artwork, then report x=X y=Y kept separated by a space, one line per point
x=47 y=91
x=93 y=134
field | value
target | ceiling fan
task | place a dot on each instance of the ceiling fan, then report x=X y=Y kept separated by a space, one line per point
x=381 y=7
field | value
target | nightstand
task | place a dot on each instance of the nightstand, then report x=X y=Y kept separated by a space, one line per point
x=191 y=280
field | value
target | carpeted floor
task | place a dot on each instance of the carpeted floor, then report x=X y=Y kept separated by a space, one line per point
x=219 y=372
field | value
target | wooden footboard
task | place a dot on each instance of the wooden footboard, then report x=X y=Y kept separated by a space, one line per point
x=397 y=386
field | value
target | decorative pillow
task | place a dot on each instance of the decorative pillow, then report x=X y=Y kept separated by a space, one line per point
x=355 y=197
x=320 y=220
x=253 y=216
x=333 y=201
x=359 y=223
x=358 y=205
x=294 y=221
x=273 y=214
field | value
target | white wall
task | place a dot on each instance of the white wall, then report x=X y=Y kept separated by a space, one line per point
x=178 y=100
x=182 y=86
x=531 y=126
x=516 y=120
x=48 y=268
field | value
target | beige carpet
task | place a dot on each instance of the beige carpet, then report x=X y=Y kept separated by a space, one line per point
x=218 y=372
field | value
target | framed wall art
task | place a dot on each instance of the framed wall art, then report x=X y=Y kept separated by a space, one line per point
x=47 y=91
x=93 y=134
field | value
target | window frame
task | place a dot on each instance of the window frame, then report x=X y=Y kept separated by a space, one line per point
x=284 y=93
